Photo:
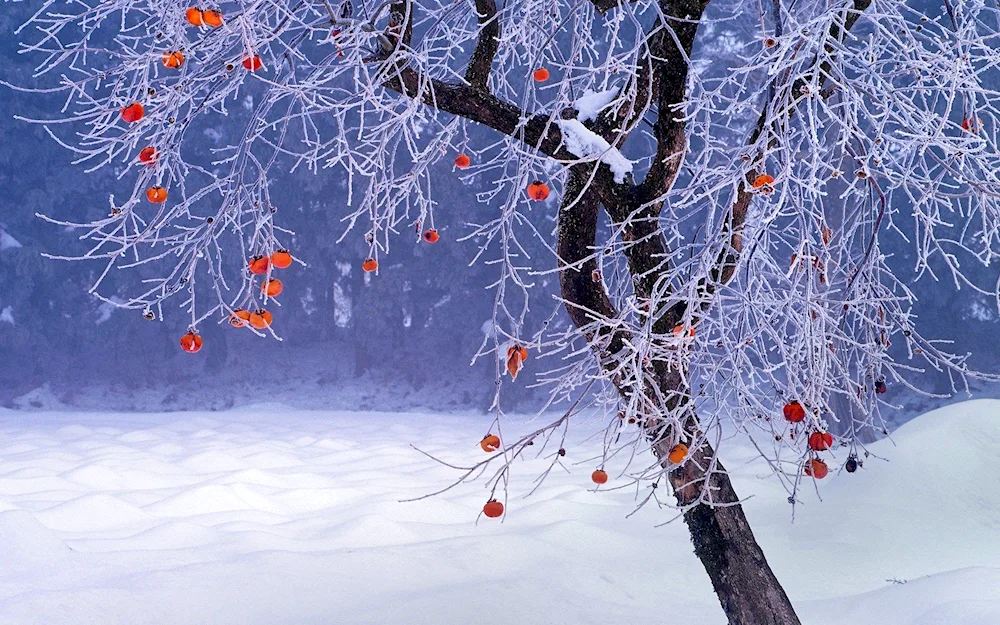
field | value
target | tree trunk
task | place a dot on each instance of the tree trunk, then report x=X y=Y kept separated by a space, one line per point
x=747 y=588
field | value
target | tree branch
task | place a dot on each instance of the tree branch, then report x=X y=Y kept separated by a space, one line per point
x=478 y=72
x=670 y=48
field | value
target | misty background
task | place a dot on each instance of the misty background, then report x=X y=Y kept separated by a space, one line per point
x=401 y=340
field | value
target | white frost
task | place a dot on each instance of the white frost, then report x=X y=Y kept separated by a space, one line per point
x=582 y=142
x=7 y=315
x=591 y=103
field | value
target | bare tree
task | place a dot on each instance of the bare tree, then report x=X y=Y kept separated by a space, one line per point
x=724 y=173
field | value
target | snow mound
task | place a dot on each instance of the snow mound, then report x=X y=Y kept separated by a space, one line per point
x=963 y=597
x=26 y=543
x=269 y=515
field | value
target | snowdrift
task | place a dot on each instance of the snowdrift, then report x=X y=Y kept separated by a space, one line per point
x=279 y=517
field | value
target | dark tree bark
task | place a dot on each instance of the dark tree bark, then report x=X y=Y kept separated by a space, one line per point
x=747 y=588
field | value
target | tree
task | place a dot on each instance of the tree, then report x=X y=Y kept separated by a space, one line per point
x=723 y=176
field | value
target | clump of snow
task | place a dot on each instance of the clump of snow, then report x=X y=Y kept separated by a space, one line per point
x=272 y=515
x=7 y=315
x=591 y=103
x=583 y=142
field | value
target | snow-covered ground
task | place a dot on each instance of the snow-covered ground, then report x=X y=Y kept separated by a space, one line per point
x=272 y=516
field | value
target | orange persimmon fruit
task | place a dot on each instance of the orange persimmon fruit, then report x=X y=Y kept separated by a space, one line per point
x=462 y=161
x=490 y=443
x=133 y=112
x=147 y=155
x=369 y=265
x=794 y=412
x=599 y=476
x=493 y=509
x=516 y=355
x=538 y=190
x=816 y=468
x=820 y=441
x=156 y=194
x=212 y=17
x=272 y=287
x=260 y=319
x=194 y=16
x=431 y=235
x=252 y=63
x=173 y=60
x=679 y=331
x=258 y=265
x=540 y=75
x=191 y=342
x=239 y=318
x=678 y=453
x=281 y=259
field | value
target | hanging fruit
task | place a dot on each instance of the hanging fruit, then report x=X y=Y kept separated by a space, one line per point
x=820 y=441
x=490 y=443
x=762 y=180
x=678 y=453
x=260 y=319
x=970 y=124
x=816 y=468
x=252 y=63
x=431 y=236
x=173 y=60
x=281 y=259
x=191 y=342
x=194 y=16
x=239 y=318
x=462 y=161
x=272 y=287
x=599 y=476
x=516 y=355
x=258 y=265
x=852 y=464
x=880 y=386
x=212 y=18
x=538 y=190
x=679 y=331
x=794 y=412
x=147 y=155
x=133 y=113
x=493 y=509
x=369 y=265
x=156 y=195
x=540 y=75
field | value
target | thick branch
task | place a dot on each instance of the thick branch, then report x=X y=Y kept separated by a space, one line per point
x=480 y=106
x=671 y=48
x=478 y=72
x=579 y=276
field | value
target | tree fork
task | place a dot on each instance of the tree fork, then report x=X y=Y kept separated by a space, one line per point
x=747 y=588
